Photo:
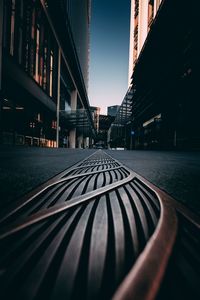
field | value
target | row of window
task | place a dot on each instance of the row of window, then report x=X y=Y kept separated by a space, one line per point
x=28 y=39
x=150 y=20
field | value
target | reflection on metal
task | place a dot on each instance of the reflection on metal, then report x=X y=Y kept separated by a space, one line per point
x=94 y=231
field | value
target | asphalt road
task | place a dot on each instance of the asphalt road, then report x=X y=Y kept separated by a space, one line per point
x=177 y=173
x=24 y=168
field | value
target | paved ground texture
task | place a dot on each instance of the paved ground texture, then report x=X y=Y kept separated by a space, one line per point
x=177 y=173
x=24 y=168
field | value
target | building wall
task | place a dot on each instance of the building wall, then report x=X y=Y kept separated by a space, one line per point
x=29 y=41
x=29 y=75
x=37 y=83
x=165 y=83
x=142 y=14
x=79 y=17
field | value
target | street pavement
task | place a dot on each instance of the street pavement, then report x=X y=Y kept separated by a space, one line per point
x=24 y=168
x=177 y=173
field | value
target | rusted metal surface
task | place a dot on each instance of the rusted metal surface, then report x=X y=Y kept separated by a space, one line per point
x=96 y=231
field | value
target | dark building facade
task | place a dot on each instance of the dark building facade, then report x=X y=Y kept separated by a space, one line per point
x=44 y=66
x=119 y=134
x=104 y=126
x=165 y=91
x=165 y=108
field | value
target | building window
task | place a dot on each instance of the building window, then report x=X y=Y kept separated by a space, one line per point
x=150 y=13
x=44 y=82
x=37 y=54
x=27 y=37
x=51 y=75
x=135 y=33
x=20 y=38
x=136 y=8
x=54 y=124
x=33 y=44
x=12 y=35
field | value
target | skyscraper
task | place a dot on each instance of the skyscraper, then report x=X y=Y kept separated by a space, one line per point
x=142 y=14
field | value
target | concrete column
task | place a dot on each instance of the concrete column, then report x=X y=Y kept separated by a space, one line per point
x=91 y=142
x=142 y=24
x=86 y=142
x=58 y=101
x=80 y=141
x=72 y=138
x=72 y=133
x=74 y=100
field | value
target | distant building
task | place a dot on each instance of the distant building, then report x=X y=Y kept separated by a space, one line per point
x=112 y=110
x=117 y=135
x=104 y=125
x=95 y=111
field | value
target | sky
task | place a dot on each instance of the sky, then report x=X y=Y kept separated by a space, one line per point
x=109 y=52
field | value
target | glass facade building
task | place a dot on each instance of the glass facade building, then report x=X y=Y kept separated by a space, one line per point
x=44 y=70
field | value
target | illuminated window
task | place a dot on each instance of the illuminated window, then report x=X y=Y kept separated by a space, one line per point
x=32 y=44
x=38 y=117
x=45 y=65
x=51 y=75
x=54 y=124
x=32 y=124
x=37 y=54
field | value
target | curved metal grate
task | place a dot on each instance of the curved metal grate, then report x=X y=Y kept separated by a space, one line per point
x=98 y=225
x=73 y=184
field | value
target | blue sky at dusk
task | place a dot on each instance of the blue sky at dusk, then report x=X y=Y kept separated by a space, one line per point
x=109 y=50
